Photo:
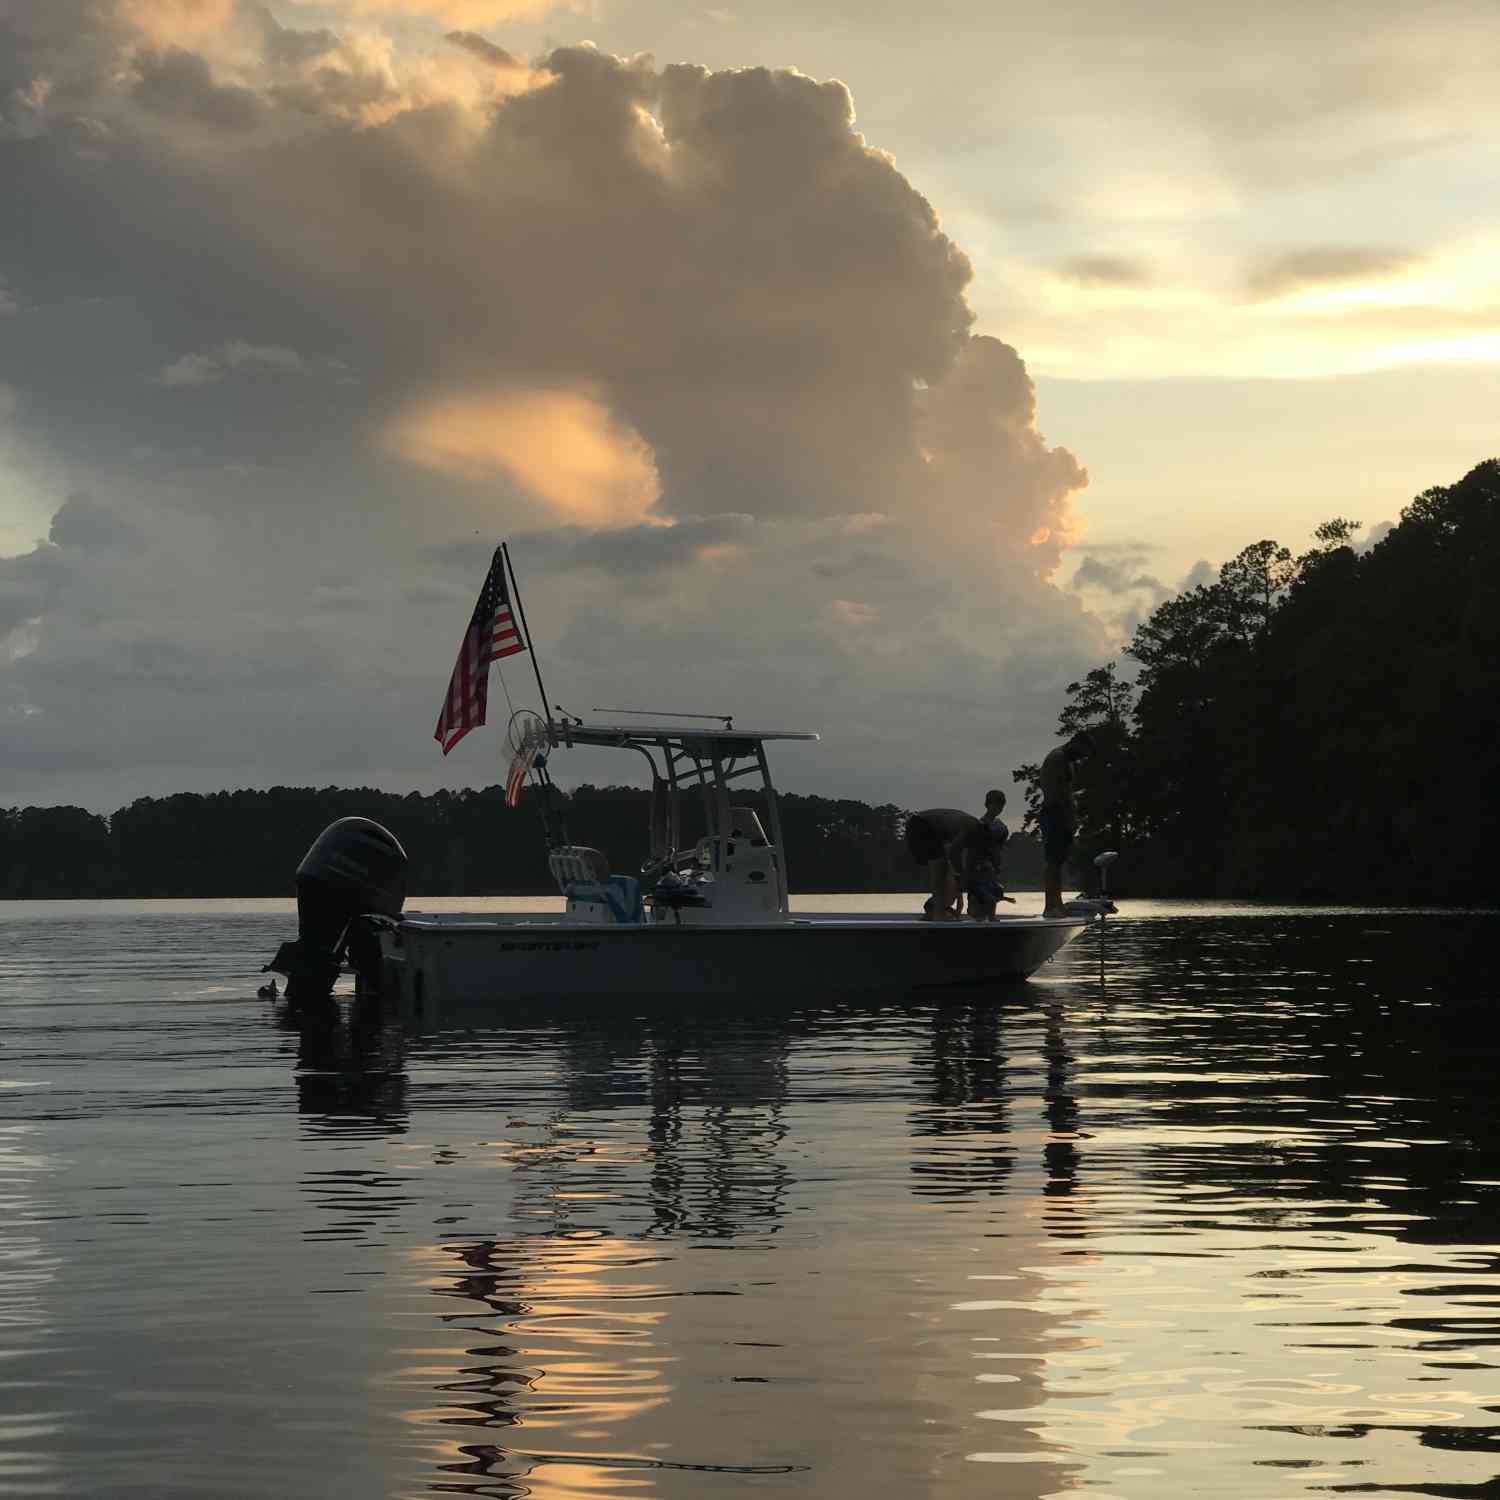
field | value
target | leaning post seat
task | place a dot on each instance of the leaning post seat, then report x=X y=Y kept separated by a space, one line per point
x=574 y=864
x=594 y=895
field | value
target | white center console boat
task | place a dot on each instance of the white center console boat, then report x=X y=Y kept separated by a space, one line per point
x=704 y=912
x=705 y=917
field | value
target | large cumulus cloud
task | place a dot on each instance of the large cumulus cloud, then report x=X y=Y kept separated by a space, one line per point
x=315 y=320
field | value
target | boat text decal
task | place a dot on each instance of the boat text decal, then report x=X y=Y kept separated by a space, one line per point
x=548 y=947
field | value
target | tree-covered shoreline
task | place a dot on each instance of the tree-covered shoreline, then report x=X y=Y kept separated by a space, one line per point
x=1322 y=727
x=468 y=843
x=1313 y=728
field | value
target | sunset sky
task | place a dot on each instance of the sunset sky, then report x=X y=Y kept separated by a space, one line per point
x=849 y=367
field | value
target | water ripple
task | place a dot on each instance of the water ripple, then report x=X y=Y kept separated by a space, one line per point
x=1227 y=1223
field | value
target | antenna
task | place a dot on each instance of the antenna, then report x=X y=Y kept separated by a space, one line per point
x=652 y=713
x=515 y=587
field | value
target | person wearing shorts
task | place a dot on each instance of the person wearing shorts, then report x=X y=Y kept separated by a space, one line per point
x=1057 y=821
x=975 y=855
x=929 y=835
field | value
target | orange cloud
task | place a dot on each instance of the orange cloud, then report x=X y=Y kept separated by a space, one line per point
x=183 y=23
x=853 y=612
x=563 y=447
x=459 y=12
x=719 y=552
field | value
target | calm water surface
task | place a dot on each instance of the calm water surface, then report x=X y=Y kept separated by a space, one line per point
x=1224 y=1224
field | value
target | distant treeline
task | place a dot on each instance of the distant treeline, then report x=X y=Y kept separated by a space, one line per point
x=1323 y=727
x=248 y=843
x=1315 y=727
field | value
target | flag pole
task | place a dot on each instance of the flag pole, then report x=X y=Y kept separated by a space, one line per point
x=536 y=666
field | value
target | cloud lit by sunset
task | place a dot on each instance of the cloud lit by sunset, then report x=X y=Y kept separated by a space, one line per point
x=384 y=274
x=446 y=12
x=562 y=447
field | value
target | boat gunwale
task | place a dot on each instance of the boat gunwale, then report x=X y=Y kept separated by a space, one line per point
x=439 y=923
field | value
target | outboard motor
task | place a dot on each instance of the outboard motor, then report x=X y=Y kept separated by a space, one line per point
x=354 y=868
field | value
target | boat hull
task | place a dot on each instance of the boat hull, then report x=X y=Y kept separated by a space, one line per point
x=473 y=960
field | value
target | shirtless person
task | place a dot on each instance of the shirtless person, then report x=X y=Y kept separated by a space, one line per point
x=1058 y=818
x=929 y=835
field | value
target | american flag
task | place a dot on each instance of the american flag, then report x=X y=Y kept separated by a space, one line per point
x=492 y=633
x=515 y=781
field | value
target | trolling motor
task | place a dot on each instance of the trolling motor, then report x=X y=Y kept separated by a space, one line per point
x=354 y=868
x=1097 y=906
x=1102 y=862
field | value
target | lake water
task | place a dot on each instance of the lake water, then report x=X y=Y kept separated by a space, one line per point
x=1226 y=1223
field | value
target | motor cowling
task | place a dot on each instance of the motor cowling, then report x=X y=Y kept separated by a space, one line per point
x=354 y=868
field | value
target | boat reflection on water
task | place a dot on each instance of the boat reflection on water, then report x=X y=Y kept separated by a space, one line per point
x=959 y=1131
x=351 y=1068
x=1237 y=1212
x=565 y=1327
x=1228 y=1227
x=963 y=1121
x=1061 y=1150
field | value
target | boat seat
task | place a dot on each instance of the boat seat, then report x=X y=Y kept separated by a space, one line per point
x=582 y=874
x=574 y=864
x=622 y=894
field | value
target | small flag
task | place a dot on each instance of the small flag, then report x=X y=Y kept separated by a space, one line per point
x=525 y=758
x=516 y=780
x=492 y=633
x=529 y=754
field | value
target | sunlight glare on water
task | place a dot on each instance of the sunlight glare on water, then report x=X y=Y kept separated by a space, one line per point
x=1224 y=1223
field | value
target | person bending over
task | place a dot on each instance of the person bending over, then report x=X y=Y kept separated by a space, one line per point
x=933 y=837
x=929 y=835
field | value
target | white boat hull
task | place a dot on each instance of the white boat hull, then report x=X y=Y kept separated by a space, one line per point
x=468 y=960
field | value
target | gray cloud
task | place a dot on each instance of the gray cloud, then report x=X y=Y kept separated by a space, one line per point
x=346 y=88
x=697 y=296
x=428 y=592
x=1113 y=577
x=1135 y=547
x=288 y=46
x=27 y=586
x=1123 y=577
x=342 y=598
x=213 y=365
x=84 y=523
x=56 y=62
x=485 y=51
x=1104 y=271
x=179 y=85
x=637 y=549
x=1322 y=265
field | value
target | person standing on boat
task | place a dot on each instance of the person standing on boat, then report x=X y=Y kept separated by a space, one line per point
x=975 y=856
x=1058 y=818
